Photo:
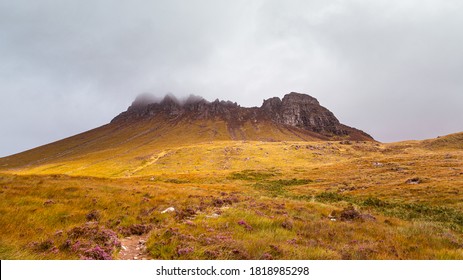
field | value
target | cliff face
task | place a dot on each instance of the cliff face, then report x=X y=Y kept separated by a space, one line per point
x=303 y=111
x=295 y=110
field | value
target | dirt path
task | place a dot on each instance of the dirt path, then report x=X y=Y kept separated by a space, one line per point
x=151 y=161
x=133 y=248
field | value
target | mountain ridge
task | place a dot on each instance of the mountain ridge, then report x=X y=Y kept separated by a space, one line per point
x=294 y=110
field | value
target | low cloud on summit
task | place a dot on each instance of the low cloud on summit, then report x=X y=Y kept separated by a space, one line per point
x=390 y=68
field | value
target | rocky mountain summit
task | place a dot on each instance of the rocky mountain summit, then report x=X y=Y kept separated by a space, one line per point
x=295 y=110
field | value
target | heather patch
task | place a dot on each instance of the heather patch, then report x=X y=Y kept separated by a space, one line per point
x=92 y=242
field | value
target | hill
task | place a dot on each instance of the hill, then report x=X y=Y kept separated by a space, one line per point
x=452 y=141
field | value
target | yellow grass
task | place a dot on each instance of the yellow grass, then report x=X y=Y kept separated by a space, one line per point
x=236 y=199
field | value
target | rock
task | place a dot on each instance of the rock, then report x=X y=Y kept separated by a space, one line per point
x=295 y=110
x=303 y=111
x=170 y=209
x=215 y=215
x=332 y=216
x=414 y=181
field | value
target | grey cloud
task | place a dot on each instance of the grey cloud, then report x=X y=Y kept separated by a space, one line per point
x=391 y=68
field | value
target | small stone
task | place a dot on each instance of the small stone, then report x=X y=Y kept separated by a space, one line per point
x=414 y=181
x=215 y=215
x=170 y=209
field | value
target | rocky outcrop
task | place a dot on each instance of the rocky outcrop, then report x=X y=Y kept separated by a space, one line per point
x=303 y=111
x=296 y=110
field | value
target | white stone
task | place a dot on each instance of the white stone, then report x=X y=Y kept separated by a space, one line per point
x=213 y=216
x=170 y=209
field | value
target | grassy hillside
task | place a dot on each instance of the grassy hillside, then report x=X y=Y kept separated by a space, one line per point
x=232 y=199
x=123 y=150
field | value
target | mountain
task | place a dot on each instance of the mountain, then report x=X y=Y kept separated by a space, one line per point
x=151 y=129
x=296 y=114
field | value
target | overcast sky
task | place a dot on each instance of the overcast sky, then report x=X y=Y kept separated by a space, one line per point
x=391 y=68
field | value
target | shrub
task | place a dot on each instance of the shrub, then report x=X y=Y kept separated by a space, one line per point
x=329 y=197
x=94 y=215
x=251 y=175
x=96 y=253
x=349 y=213
x=137 y=229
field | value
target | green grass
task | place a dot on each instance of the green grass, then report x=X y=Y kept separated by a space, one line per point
x=277 y=187
x=406 y=211
x=252 y=175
